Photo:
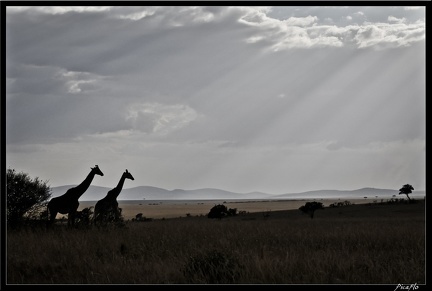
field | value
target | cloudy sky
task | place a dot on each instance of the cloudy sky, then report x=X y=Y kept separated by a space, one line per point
x=272 y=99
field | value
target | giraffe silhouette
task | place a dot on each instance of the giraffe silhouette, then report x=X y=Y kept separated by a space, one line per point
x=107 y=207
x=68 y=202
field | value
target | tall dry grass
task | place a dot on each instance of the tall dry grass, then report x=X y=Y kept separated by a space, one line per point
x=350 y=245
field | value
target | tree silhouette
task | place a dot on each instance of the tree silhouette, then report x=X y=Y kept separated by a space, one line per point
x=26 y=197
x=406 y=189
x=220 y=211
x=310 y=207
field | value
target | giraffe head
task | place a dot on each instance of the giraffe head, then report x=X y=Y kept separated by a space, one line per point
x=128 y=175
x=97 y=171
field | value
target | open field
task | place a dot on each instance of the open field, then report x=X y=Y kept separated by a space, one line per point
x=356 y=244
x=172 y=209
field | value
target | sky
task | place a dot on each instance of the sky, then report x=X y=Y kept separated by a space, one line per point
x=280 y=99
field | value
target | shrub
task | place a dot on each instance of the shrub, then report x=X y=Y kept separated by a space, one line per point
x=82 y=218
x=220 y=210
x=26 y=197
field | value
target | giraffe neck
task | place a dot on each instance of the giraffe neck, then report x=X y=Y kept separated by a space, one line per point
x=81 y=188
x=119 y=186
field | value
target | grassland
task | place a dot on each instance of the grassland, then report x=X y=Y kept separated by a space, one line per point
x=182 y=208
x=356 y=244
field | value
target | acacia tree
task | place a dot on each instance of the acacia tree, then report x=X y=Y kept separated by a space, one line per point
x=25 y=197
x=406 y=189
x=310 y=207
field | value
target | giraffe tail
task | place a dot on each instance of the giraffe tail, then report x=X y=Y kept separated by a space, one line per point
x=48 y=215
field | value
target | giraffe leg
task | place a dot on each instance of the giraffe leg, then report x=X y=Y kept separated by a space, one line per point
x=116 y=214
x=71 y=218
x=52 y=216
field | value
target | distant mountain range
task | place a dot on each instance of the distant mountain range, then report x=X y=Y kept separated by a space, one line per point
x=95 y=193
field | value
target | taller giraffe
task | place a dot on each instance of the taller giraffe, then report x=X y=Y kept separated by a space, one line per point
x=108 y=206
x=68 y=202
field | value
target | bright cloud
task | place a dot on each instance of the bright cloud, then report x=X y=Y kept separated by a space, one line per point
x=159 y=118
x=243 y=98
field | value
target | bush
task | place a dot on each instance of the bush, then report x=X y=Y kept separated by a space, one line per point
x=26 y=198
x=340 y=204
x=82 y=218
x=219 y=211
x=111 y=216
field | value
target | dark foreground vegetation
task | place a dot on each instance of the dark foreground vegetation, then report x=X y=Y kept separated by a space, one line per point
x=378 y=243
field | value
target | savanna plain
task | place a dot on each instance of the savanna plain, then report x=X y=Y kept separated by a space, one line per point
x=360 y=243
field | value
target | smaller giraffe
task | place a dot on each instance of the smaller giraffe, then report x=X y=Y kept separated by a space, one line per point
x=108 y=206
x=68 y=202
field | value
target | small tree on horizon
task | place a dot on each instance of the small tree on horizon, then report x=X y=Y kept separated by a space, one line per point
x=406 y=189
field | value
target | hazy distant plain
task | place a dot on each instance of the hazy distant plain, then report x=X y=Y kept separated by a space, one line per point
x=157 y=209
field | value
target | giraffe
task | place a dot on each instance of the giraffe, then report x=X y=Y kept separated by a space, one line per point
x=68 y=202
x=108 y=205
